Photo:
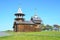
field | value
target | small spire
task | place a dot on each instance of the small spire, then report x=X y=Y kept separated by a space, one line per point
x=19 y=10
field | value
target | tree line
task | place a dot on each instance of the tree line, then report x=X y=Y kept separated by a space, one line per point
x=48 y=27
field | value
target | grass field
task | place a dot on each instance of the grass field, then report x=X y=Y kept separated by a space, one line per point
x=44 y=35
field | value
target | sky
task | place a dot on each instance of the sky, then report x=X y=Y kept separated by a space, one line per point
x=47 y=10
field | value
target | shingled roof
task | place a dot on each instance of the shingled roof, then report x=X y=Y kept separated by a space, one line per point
x=37 y=21
x=24 y=22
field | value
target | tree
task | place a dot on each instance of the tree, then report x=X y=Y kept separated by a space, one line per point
x=56 y=27
x=43 y=26
x=48 y=27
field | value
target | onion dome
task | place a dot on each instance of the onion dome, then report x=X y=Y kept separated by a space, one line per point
x=36 y=19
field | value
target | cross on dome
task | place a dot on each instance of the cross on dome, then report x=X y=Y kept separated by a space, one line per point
x=35 y=15
x=19 y=10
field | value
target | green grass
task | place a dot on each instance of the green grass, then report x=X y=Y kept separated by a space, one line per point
x=44 y=35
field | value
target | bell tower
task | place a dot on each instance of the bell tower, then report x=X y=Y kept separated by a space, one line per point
x=19 y=15
x=19 y=18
